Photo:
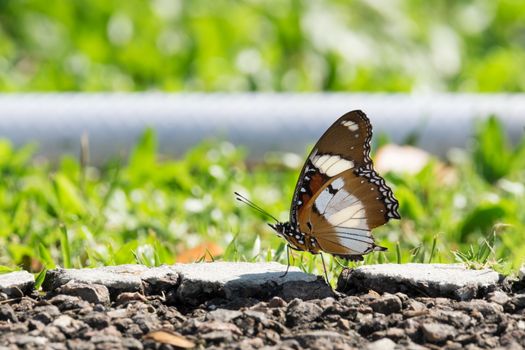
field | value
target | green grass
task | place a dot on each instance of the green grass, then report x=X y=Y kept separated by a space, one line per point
x=277 y=45
x=150 y=209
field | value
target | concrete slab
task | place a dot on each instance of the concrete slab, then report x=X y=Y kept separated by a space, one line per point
x=242 y=279
x=436 y=280
x=195 y=283
x=16 y=284
x=118 y=279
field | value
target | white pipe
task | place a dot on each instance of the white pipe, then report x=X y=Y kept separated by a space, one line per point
x=260 y=121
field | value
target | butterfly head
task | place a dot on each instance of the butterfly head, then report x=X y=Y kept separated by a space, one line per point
x=281 y=228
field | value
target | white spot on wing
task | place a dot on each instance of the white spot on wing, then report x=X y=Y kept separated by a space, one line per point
x=352 y=126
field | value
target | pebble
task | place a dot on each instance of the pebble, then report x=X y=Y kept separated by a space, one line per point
x=7 y=313
x=386 y=304
x=437 y=332
x=382 y=344
x=498 y=297
x=92 y=293
x=299 y=311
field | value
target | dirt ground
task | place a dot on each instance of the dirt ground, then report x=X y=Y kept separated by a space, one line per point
x=359 y=320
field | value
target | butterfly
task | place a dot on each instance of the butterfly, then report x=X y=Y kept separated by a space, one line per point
x=339 y=197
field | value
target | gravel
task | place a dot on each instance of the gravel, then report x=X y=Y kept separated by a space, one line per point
x=80 y=315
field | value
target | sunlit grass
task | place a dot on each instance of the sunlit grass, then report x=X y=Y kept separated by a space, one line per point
x=151 y=211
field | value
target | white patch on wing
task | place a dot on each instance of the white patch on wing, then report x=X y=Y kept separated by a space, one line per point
x=330 y=201
x=354 y=241
x=331 y=165
x=362 y=235
x=341 y=201
x=352 y=126
x=357 y=246
x=322 y=200
x=339 y=166
x=356 y=209
x=318 y=160
x=355 y=223
x=338 y=183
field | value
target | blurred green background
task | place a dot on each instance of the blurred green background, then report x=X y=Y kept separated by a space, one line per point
x=279 y=45
x=152 y=210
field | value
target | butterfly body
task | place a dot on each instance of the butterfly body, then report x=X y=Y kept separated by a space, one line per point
x=339 y=198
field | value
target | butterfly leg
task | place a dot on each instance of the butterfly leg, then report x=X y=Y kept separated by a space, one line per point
x=324 y=268
x=288 y=254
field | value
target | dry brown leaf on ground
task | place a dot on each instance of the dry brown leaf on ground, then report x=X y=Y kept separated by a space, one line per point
x=171 y=338
x=208 y=250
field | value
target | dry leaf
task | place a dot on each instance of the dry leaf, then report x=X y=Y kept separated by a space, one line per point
x=170 y=338
x=202 y=250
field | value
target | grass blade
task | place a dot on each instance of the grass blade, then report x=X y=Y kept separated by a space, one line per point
x=65 y=247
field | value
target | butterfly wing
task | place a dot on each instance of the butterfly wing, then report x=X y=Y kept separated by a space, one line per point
x=339 y=198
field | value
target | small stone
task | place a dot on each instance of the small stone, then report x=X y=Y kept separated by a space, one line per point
x=68 y=325
x=79 y=344
x=414 y=346
x=97 y=320
x=68 y=302
x=118 y=313
x=130 y=296
x=92 y=293
x=522 y=273
x=386 y=304
x=46 y=313
x=498 y=297
x=131 y=344
x=257 y=316
x=414 y=305
x=147 y=322
x=7 y=313
x=478 y=305
x=395 y=333
x=323 y=339
x=218 y=331
x=35 y=325
x=224 y=315
x=325 y=303
x=31 y=342
x=381 y=344
x=518 y=301
x=276 y=302
x=251 y=344
x=344 y=324
x=52 y=332
x=437 y=332
x=302 y=312
x=106 y=341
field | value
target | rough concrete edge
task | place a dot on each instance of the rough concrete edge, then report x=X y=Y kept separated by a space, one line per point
x=355 y=279
x=26 y=287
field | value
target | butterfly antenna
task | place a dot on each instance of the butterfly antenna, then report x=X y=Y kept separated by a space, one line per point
x=254 y=206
